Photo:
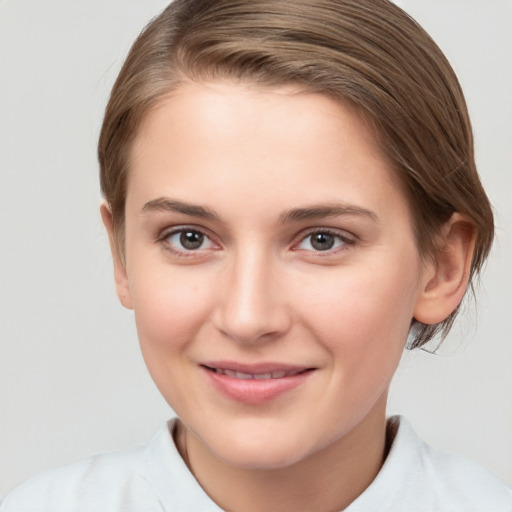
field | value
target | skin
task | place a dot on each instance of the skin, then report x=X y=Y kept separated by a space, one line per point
x=257 y=290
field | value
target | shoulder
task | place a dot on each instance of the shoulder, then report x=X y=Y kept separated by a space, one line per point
x=417 y=477
x=453 y=475
x=112 y=481
x=463 y=482
x=148 y=478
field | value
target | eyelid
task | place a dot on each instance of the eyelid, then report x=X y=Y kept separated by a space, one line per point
x=348 y=239
x=166 y=233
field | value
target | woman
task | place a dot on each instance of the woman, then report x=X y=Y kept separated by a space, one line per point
x=290 y=195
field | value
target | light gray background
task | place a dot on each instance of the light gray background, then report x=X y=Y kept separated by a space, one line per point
x=72 y=379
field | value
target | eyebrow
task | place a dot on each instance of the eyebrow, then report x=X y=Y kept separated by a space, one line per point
x=327 y=210
x=294 y=215
x=171 y=205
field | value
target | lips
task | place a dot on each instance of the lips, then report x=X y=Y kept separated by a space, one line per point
x=278 y=374
x=254 y=384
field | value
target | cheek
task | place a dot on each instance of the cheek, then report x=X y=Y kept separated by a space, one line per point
x=362 y=321
x=170 y=306
x=170 y=309
x=357 y=311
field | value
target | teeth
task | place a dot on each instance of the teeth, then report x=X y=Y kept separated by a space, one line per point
x=262 y=376
x=244 y=376
x=258 y=376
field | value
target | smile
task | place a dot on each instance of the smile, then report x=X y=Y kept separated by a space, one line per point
x=256 y=384
x=279 y=374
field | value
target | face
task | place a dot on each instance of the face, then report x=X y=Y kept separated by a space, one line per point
x=271 y=266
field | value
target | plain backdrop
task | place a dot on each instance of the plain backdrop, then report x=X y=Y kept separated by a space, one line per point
x=72 y=380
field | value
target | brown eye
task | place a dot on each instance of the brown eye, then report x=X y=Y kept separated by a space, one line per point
x=188 y=240
x=322 y=241
x=191 y=240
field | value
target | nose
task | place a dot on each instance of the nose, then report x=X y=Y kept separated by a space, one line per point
x=252 y=306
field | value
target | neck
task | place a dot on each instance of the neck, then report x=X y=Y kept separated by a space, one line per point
x=327 y=480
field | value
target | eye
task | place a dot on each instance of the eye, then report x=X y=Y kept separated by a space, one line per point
x=323 y=240
x=187 y=240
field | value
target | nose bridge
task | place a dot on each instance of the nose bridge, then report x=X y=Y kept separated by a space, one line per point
x=252 y=305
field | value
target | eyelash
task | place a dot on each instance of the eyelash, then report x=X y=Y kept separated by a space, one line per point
x=164 y=240
x=344 y=238
x=345 y=241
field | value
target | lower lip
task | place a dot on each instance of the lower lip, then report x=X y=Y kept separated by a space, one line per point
x=255 y=391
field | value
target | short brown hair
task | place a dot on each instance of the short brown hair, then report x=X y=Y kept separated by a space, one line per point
x=367 y=52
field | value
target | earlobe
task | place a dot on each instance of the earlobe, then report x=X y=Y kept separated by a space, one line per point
x=445 y=279
x=120 y=275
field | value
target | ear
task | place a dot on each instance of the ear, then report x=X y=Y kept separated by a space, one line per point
x=120 y=275
x=445 y=279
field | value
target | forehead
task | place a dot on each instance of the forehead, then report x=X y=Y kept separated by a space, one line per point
x=222 y=139
x=217 y=110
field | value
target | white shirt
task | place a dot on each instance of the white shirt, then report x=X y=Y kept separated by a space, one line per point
x=154 y=478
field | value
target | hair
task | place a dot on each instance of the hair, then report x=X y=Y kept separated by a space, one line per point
x=368 y=53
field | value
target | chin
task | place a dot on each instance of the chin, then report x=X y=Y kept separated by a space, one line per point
x=268 y=452
x=263 y=459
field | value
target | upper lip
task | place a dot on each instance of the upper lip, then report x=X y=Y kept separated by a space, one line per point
x=255 y=369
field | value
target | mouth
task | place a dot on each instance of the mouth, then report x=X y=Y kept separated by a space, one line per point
x=276 y=374
x=255 y=384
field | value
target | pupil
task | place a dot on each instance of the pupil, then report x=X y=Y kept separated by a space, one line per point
x=191 y=239
x=322 y=241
